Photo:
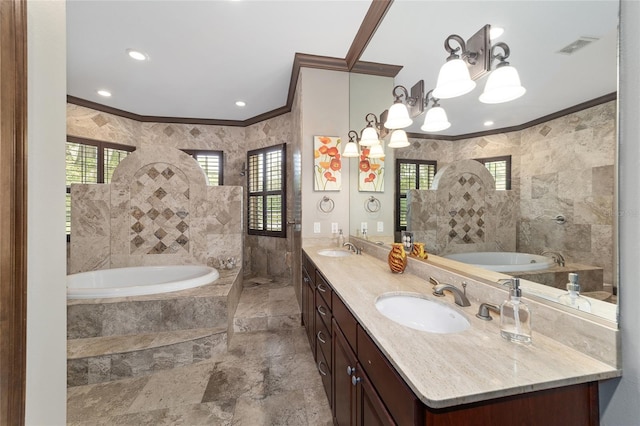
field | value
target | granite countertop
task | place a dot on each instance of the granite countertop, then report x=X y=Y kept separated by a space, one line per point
x=446 y=370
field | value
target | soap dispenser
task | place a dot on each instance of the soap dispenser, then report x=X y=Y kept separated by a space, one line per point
x=573 y=298
x=515 y=317
x=340 y=238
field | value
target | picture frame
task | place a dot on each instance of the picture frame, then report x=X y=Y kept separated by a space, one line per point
x=327 y=163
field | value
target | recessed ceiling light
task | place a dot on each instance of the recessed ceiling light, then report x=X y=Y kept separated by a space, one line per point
x=495 y=32
x=137 y=55
x=488 y=123
x=241 y=104
x=104 y=93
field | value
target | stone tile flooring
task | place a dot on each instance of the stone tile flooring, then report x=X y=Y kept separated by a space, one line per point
x=267 y=377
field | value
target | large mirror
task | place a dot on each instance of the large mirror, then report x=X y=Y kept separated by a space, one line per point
x=559 y=138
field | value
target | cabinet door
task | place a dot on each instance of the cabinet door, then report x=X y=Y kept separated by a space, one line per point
x=370 y=410
x=344 y=368
x=308 y=309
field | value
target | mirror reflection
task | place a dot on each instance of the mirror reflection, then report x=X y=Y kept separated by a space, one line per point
x=543 y=186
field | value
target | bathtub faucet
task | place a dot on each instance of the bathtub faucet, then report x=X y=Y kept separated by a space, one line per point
x=556 y=256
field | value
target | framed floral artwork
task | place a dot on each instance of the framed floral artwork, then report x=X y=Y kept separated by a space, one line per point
x=370 y=173
x=327 y=163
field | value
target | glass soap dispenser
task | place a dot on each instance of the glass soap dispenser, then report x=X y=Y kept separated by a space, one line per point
x=572 y=298
x=515 y=317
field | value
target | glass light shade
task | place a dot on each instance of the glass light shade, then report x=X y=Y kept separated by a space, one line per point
x=453 y=80
x=398 y=139
x=435 y=120
x=376 y=151
x=369 y=137
x=350 y=150
x=398 y=117
x=503 y=85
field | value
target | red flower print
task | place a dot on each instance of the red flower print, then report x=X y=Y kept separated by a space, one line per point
x=365 y=166
x=333 y=151
x=335 y=165
x=324 y=139
x=323 y=149
x=371 y=178
x=329 y=177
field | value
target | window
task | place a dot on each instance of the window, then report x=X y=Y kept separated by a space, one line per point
x=90 y=161
x=500 y=169
x=266 y=188
x=411 y=174
x=211 y=163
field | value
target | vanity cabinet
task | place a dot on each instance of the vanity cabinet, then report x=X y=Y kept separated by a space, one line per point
x=365 y=389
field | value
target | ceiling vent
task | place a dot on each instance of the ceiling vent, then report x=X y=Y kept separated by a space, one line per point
x=576 y=45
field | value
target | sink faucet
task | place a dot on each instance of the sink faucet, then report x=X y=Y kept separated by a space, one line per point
x=460 y=297
x=352 y=247
x=555 y=255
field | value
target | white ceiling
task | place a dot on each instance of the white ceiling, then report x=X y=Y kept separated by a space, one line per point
x=205 y=55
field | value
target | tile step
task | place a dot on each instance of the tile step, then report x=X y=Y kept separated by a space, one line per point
x=109 y=345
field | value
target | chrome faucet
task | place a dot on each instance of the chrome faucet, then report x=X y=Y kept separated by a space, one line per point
x=352 y=248
x=460 y=297
x=555 y=255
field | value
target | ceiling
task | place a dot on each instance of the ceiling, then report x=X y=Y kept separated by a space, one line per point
x=206 y=55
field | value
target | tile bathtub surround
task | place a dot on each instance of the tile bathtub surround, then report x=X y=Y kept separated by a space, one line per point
x=265 y=378
x=157 y=210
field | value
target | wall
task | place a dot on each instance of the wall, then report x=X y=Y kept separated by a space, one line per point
x=46 y=285
x=325 y=111
x=272 y=256
x=619 y=398
x=564 y=166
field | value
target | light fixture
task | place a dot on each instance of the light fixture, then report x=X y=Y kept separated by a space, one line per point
x=503 y=84
x=137 y=55
x=457 y=76
x=351 y=148
x=400 y=113
x=436 y=118
x=372 y=134
x=495 y=32
x=241 y=104
x=105 y=93
x=398 y=139
x=488 y=123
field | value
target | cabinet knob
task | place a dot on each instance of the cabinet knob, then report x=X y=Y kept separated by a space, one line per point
x=351 y=370
x=320 y=338
x=322 y=288
x=355 y=380
x=321 y=310
x=307 y=280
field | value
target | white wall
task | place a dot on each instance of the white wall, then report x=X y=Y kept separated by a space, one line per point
x=46 y=256
x=325 y=111
x=619 y=398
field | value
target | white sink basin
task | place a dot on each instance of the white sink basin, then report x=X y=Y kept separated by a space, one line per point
x=413 y=311
x=334 y=253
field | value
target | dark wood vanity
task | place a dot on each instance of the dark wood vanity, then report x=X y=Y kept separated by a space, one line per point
x=364 y=388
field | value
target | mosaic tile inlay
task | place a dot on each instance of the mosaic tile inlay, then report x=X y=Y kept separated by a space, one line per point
x=467 y=208
x=159 y=210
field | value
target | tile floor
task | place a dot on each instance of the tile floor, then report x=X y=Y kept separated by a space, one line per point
x=267 y=377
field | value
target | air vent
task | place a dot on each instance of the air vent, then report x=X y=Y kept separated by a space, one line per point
x=576 y=45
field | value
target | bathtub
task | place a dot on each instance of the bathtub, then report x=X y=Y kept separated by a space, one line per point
x=137 y=281
x=504 y=261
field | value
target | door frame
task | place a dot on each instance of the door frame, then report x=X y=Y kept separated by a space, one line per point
x=13 y=210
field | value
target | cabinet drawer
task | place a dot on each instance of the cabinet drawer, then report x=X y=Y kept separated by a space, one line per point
x=324 y=289
x=323 y=311
x=325 y=374
x=397 y=396
x=323 y=340
x=345 y=320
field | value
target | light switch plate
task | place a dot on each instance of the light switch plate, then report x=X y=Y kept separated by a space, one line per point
x=380 y=226
x=316 y=227
x=363 y=227
x=334 y=227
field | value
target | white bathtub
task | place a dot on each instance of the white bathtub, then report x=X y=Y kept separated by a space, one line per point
x=504 y=261
x=137 y=281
